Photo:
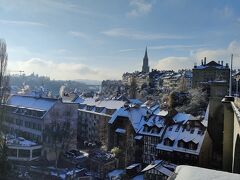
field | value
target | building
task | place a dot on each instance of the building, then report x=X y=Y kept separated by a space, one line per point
x=145 y=67
x=147 y=133
x=31 y=117
x=159 y=169
x=101 y=163
x=231 y=134
x=123 y=133
x=93 y=117
x=214 y=78
x=20 y=149
x=208 y=72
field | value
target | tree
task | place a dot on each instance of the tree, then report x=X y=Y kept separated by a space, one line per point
x=133 y=88
x=60 y=133
x=4 y=93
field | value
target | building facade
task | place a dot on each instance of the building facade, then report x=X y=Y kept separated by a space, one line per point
x=30 y=116
x=93 y=117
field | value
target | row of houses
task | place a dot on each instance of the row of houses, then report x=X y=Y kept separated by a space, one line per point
x=142 y=132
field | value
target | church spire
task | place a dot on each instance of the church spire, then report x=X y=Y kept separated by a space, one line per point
x=145 y=67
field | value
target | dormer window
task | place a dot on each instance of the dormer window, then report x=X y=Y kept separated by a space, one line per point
x=145 y=128
x=181 y=144
x=168 y=142
x=192 y=146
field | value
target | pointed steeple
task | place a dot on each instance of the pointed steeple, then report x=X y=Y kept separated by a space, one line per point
x=145 y=67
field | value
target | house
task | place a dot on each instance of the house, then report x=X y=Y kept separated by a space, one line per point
x=147 y=133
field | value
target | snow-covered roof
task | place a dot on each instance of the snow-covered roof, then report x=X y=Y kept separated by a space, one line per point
x=109 y=104
x=211 y=64
x=116 y=173
x=177 y=133
x=197 y=173
x=161 y=166
x=182 y=117
x=135 y=115
x=37 y=103
x=19 y=141
x=120 y=130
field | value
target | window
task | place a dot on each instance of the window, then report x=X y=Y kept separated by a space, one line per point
x=181 y=144
x=23 y=153
x=177 y=129
x=170 y=129
x=36 y=152
x=145 y=129
x=192 y=131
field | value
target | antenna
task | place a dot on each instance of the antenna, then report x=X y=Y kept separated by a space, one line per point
x=230 y=80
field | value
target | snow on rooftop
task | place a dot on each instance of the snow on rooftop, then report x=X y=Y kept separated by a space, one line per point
x=135 y=115
x=197 y=173
x=120 y=130
x=31 y=102
x=182 y=117
x=138 y=177
x=133 y=166
x=152 y=165
x=19 y=141
x=116 y=173
x=161 y=166
x=109 y=104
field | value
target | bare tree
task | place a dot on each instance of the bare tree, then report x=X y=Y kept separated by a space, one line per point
x=133 y=88
x=60 y=133
x=4 y=80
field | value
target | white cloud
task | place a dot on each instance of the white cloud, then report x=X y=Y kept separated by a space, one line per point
x=64 y=71
x=22 y=23
x=175 y=63
x=139 y=8
x=180 y=46
x=131 y=34
x=78 y=34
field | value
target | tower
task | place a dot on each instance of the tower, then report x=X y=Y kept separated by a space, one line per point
x=145 y=67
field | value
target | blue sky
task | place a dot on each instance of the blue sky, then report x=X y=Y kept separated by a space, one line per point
x=86 y=39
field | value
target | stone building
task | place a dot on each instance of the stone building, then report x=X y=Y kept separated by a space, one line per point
x=231 y=135
x=208 y=72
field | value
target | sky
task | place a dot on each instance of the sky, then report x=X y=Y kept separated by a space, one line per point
x=90 y=39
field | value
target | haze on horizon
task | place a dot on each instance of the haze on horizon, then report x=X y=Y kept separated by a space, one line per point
x=96 y=40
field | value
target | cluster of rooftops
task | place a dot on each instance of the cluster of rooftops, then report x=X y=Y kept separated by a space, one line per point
x=177 y=131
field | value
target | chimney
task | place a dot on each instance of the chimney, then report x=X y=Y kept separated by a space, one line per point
x=222 y=63
x=205 y=60
x=218 y=62
x=227 y=65
x=195 y=65
x=202 y=62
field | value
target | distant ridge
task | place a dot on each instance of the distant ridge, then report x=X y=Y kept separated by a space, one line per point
x=89 y=82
